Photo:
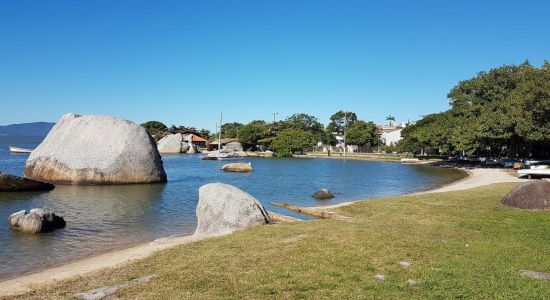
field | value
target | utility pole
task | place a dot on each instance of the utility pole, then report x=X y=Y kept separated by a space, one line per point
x=345 y=125
x=274 y=114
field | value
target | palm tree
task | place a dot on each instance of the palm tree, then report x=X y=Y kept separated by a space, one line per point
x=390 y=118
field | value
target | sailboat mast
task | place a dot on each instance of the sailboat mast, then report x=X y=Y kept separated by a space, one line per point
x=220 y=133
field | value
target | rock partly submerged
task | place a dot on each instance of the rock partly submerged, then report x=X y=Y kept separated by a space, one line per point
x=534 y=195
x=237 y=167
x=323 y=194
x=223 y=208
x=37 y=220
x=12 y=183
x=96 y=150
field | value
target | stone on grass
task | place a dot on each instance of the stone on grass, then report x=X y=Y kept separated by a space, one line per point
x=170 y=144
x=405 y=264
x=237 y=167
x=380 y=277
x=11 y=183
x=96 y=150
x=323 y=194
x=533 y=195
x=37 y=220
x=412 y=282
x=223 y=208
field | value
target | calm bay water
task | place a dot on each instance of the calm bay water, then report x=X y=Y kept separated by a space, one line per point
x=101 y=218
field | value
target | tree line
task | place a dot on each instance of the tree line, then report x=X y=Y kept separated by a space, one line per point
x=296 y=133
x=504 y=112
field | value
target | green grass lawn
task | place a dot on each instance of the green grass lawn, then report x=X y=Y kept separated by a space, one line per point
x=461 y=244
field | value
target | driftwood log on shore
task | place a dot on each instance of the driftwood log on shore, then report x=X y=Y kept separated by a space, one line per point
x=318 y=212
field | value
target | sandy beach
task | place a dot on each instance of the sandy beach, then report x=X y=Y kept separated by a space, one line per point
x=25 y=283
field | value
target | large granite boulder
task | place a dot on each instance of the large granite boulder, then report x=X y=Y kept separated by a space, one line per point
x=170 y=144
x=37 y=220
x=11 y=183
x=530 y=195
x=237 y=167
x=323 y=194
x=223 y=208
x=96 y=150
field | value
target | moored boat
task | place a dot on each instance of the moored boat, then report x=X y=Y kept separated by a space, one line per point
x=19 y=150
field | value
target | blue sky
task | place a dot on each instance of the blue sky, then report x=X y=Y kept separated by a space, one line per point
x=182 y=62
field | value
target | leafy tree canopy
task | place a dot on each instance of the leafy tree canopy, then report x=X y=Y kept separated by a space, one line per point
x=292 y=140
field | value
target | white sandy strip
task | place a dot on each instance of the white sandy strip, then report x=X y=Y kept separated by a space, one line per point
x=477 y=177
x=24 y=284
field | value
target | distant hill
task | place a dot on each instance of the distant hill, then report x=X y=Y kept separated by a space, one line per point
x=38 y=129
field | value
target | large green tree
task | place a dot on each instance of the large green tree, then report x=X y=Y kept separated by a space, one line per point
x=363 y=134
x=341 y=119
x=231 y=130
x=502 y=112
x=290 y=141
x=251 y=133
x=154 y=128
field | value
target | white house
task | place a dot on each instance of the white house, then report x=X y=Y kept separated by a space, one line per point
x=391 y=137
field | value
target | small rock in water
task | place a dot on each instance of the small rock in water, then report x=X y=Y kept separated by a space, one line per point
x=37 y=220
x=405 y=264
x=237 y=167
x=9 y=183
x=323 y=194
x=412 y=282
x=535 y=274
x=380 y=277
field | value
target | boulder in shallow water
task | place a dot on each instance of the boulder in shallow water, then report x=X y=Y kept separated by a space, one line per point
x=184 y=147
x=323 y=194
x=37 y=220
x=11 y=183
x=192 y=149
x=96 y=150
x=533 y=195
x=223 y=208
x=170 y=144
x=237 y=167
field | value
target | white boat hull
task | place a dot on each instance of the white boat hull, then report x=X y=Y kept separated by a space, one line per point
x=531 y=172
x=19 y=150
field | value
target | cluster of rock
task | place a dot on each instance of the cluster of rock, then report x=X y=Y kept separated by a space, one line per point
x=223 y=208
x=12 y=183
x=37 y=220
x=176 y=143
x=237 y=167
x=96 y=150
x=534 y=195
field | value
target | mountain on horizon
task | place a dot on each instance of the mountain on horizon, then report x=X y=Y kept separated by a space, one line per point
x=35 y=129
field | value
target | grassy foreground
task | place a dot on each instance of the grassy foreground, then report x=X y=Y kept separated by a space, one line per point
x=461 y=245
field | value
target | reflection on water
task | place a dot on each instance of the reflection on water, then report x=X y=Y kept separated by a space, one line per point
x=100 y=218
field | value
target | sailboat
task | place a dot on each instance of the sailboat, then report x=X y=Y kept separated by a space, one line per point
x=222 y=154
